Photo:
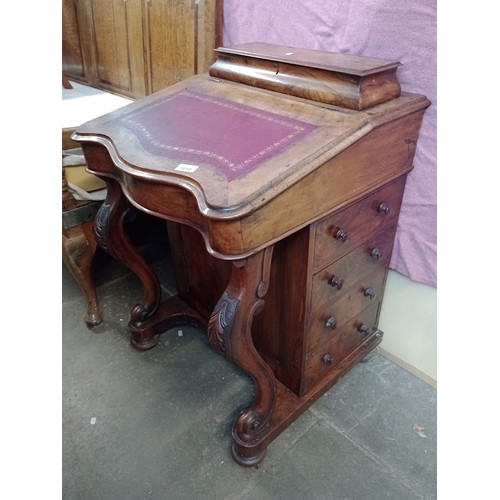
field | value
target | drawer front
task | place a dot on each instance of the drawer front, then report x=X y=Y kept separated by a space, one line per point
x=338 y=234
x=329 y=354
x=329 y=319
x=358 y=269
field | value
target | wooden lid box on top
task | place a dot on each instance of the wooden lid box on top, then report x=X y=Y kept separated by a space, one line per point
x=354 y=82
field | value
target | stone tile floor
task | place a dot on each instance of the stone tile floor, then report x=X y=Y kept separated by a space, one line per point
x=157 y=424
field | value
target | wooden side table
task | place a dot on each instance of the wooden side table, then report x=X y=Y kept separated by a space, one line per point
x=78 y=240
x=80 y=104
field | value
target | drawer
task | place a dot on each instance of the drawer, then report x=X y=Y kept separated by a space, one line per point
x=357 y=269
x=339 y=233
x=332 y=316
x=330 y=354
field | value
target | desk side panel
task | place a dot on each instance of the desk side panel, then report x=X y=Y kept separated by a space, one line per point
x=383 y=155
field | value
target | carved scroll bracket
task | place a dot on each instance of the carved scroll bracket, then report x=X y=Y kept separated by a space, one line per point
x=230 y=333
x=109 y=230
x=221 y=322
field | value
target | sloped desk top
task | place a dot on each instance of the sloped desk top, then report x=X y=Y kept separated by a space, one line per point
x=229 y=151
x=245 y=146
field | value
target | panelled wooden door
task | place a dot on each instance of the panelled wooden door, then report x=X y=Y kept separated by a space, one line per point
x=117 y=26
x=137 y=47
x=77 y=45
x=171 y=39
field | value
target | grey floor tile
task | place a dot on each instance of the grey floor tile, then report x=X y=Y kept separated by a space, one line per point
x=157 y=424
x=323 y=464
x=391 y=415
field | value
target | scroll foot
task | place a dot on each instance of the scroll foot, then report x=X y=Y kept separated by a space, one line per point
x=248 y=461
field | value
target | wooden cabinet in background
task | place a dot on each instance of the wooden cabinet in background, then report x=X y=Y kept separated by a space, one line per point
x=137 y=47
x=77 y=45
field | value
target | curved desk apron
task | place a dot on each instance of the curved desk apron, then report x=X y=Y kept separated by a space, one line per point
x=277 y=204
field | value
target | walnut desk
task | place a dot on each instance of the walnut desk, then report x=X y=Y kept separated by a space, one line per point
x=281 y=174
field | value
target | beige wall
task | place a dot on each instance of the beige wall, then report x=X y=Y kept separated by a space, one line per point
x=409 y=321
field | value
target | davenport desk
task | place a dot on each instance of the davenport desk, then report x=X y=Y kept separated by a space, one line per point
x=280 y=174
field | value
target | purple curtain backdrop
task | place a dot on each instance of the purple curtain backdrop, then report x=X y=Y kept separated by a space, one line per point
x=402 y=30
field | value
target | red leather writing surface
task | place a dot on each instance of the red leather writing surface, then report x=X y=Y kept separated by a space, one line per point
x=199 y=129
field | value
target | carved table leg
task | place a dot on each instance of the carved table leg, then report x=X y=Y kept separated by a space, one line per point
x=110 y=235
x=230 y=333
x=77 y=253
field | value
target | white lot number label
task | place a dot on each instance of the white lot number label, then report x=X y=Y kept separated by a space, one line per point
x=183 y=167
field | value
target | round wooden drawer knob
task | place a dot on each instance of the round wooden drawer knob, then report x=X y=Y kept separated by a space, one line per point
x=363 y=328
x=341 y=235
x=376 y=253
x=327 y=359
x=331 y=323
x=384 y=208
x=336 y=282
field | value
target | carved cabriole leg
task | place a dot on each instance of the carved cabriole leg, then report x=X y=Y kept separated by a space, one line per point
x=110 y=235
x=77 y=253
x=230 y=333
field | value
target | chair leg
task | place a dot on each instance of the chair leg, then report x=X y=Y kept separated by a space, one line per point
x=65 y=82
x=78 y=252
x=68 y=202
